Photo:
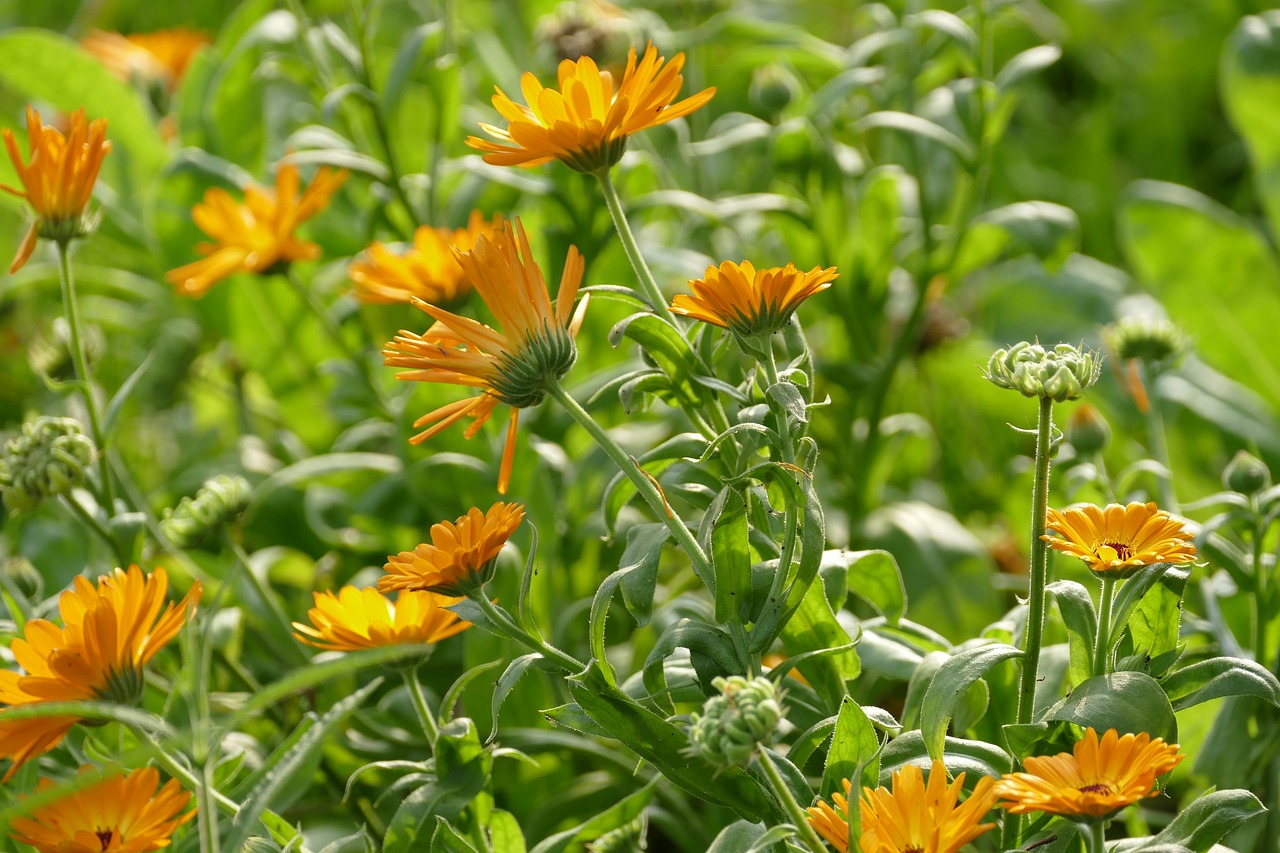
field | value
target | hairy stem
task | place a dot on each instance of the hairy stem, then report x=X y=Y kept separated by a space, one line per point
x=503 y=622
x=1102 y=649
x=788 y=801
x=647 y=282
x=420 y=706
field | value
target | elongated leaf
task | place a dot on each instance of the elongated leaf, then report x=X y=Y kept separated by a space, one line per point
x=507 y=682
x=1131 y=594
x=618 y=815
x=1026 y=63
x=917 y=126
x=959 y=755
x=726 y=544
x=874 y=577
x=505 y=835
x=814 y=627
x=463 y=766
x=87 y=710
x=808 y=741
x=950 y=683
x=1081 y=620
x=854 y=751
x=698 y=638
x=668 y=349
x=324 y=465
x=639 y=564
x=1218 y=677
x=1154 y=624
x=1124 y=701
x=747 y=837
x=1201 y=824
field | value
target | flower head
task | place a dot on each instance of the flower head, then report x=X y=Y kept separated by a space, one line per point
x=257 y=235
x=750 y=301
x=158 y=58
x=1059 y=374
x=116 y=813
x=736 y=722
x=514 y=366
x=108 y=634
x=1119 y=540
x=461 y=556
x=366 y=619
x=1144 y=337
x=218 y=504
x=427 y=270
x=48 y=459
x=1093 y=780
x=586 y=122
x=913 y=817
x=58 y=180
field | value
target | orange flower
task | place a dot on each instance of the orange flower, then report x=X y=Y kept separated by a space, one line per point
x=428 y=270
x=366 y=619
x=258 y=235
x=512 y=366
x=109 y=634
x=58 y=181
x=116 y=813
x=912 y=818
x=1120 y=540
x=585 y=124
x=1093 y=780
x=750 y=301
x=460 y=557
x=161 y=57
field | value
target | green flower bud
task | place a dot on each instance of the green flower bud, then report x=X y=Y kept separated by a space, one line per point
x=773 y=87
x=1060 y=374
x=219 y=503
x=1144 y=337
x=1246 y=474
x=1088 y=431
x=48 y=459
x=733 y=724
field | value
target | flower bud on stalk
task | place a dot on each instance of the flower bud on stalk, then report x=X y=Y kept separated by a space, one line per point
x=1246 y=474
x=48 y=459
x=218 y=504
x=1060 y=374
x=1088 y=431
x=732 y=725
x=1151 y=339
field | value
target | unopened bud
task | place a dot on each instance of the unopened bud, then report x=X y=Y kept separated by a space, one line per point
x=1088 y=431
x=1246 y=474
x=1144 y=337
x=218 y=504
x=1060 y=374
x=773 y=87
x=47 y=459
x=733 y=724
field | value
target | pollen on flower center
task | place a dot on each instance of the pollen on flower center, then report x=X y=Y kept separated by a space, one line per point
x=1096 y=788
x=104 y=836
x=1114 y=551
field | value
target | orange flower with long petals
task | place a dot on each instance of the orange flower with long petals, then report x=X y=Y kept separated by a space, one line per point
x=461 y=556
x=116 y=813
x=427 y=270
x=586 y=122
x=535 y=346
x=108 y=634
x=1095 y=779
x=366 y=619
x=913 y=817
x=257 y=235
x=751 y=301
x=58 y=180
x=149 y=58
x=1119 y=540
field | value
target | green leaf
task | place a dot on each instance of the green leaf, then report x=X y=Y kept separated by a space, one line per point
x=121 y=396
x=1081 y=620
x=505 y=835
x=814 y=627
x=1124 y=701
x=787 y=401
x=1027 y=63
x=1218 y=677
x=322 y=466
x=726 y=543
x=668 y=349
x=700 y=639
x=639 y=563
x=874 y=577
x=462 y=766
x=952 y=680
x=507 y=682
x=619 y=815
x=1154 y=624
x=958 y=754
x=1049 y=231
x=747 y=837
x=917 y=126
x=854 y=752
x=88 y=710
x=446 y=839
x=1250 y=91
x=572 y=716
x=1204 y=822
x=1132 y=594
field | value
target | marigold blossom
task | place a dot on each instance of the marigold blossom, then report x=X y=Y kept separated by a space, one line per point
x=257 y=235
x=586 y=121
x=58 y=179
x=1095 y=779
x=427 y=270
x=118 y=813
x=109 y=634
x=461 y=556
x=366 y=619
x=158 y=57
x=913 y=817
x=514 y=366
x=750 y=301
x=1119 y=540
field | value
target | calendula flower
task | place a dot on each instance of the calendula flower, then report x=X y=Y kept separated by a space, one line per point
x=366 y=619
x=749 y=301
x=117 y=813
x=461 y=556
x=515 y=365
x=159 y=58
x=428 y=270
x=1119 y=540
x=58 y=180
x=257 y=235
x=585 y=124
x=913 y=817
x=108 y=634
x=1094 y=780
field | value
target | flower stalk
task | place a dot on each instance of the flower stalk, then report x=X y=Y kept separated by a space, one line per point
x=420 y=707
x=1102 y=650
x=798 y=817
x=504 y=624
x=649 y=286
x=1039 y=568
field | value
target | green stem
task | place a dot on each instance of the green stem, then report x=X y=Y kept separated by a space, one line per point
x=268 y=598
x=420 y=706
x=1156 y=438
x=81 y=361
x=1039 y=568
x=1102 y=650
x=1098 y=838
x=788 y=801
x=1260 y=595
x=647 y=282
x=505 y=624
x=175 y=769
x=206 y=818
x=97 y=527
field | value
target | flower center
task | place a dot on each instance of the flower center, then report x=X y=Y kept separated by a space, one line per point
x=1109 y=551
x=1096 y=788
x=104 y=836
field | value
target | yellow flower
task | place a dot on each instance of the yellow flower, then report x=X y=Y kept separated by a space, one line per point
x=1092 y=781
x=512 y=366
x=109 y=634
x=912 y=818
x=461 y=555
x=585 y=124
x=117 y=813
x=749 y=301
x=366 y=619
x=258 y=235
x=58 y=181
x=1119 y=540
x=161 y=57
x=428 y=270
